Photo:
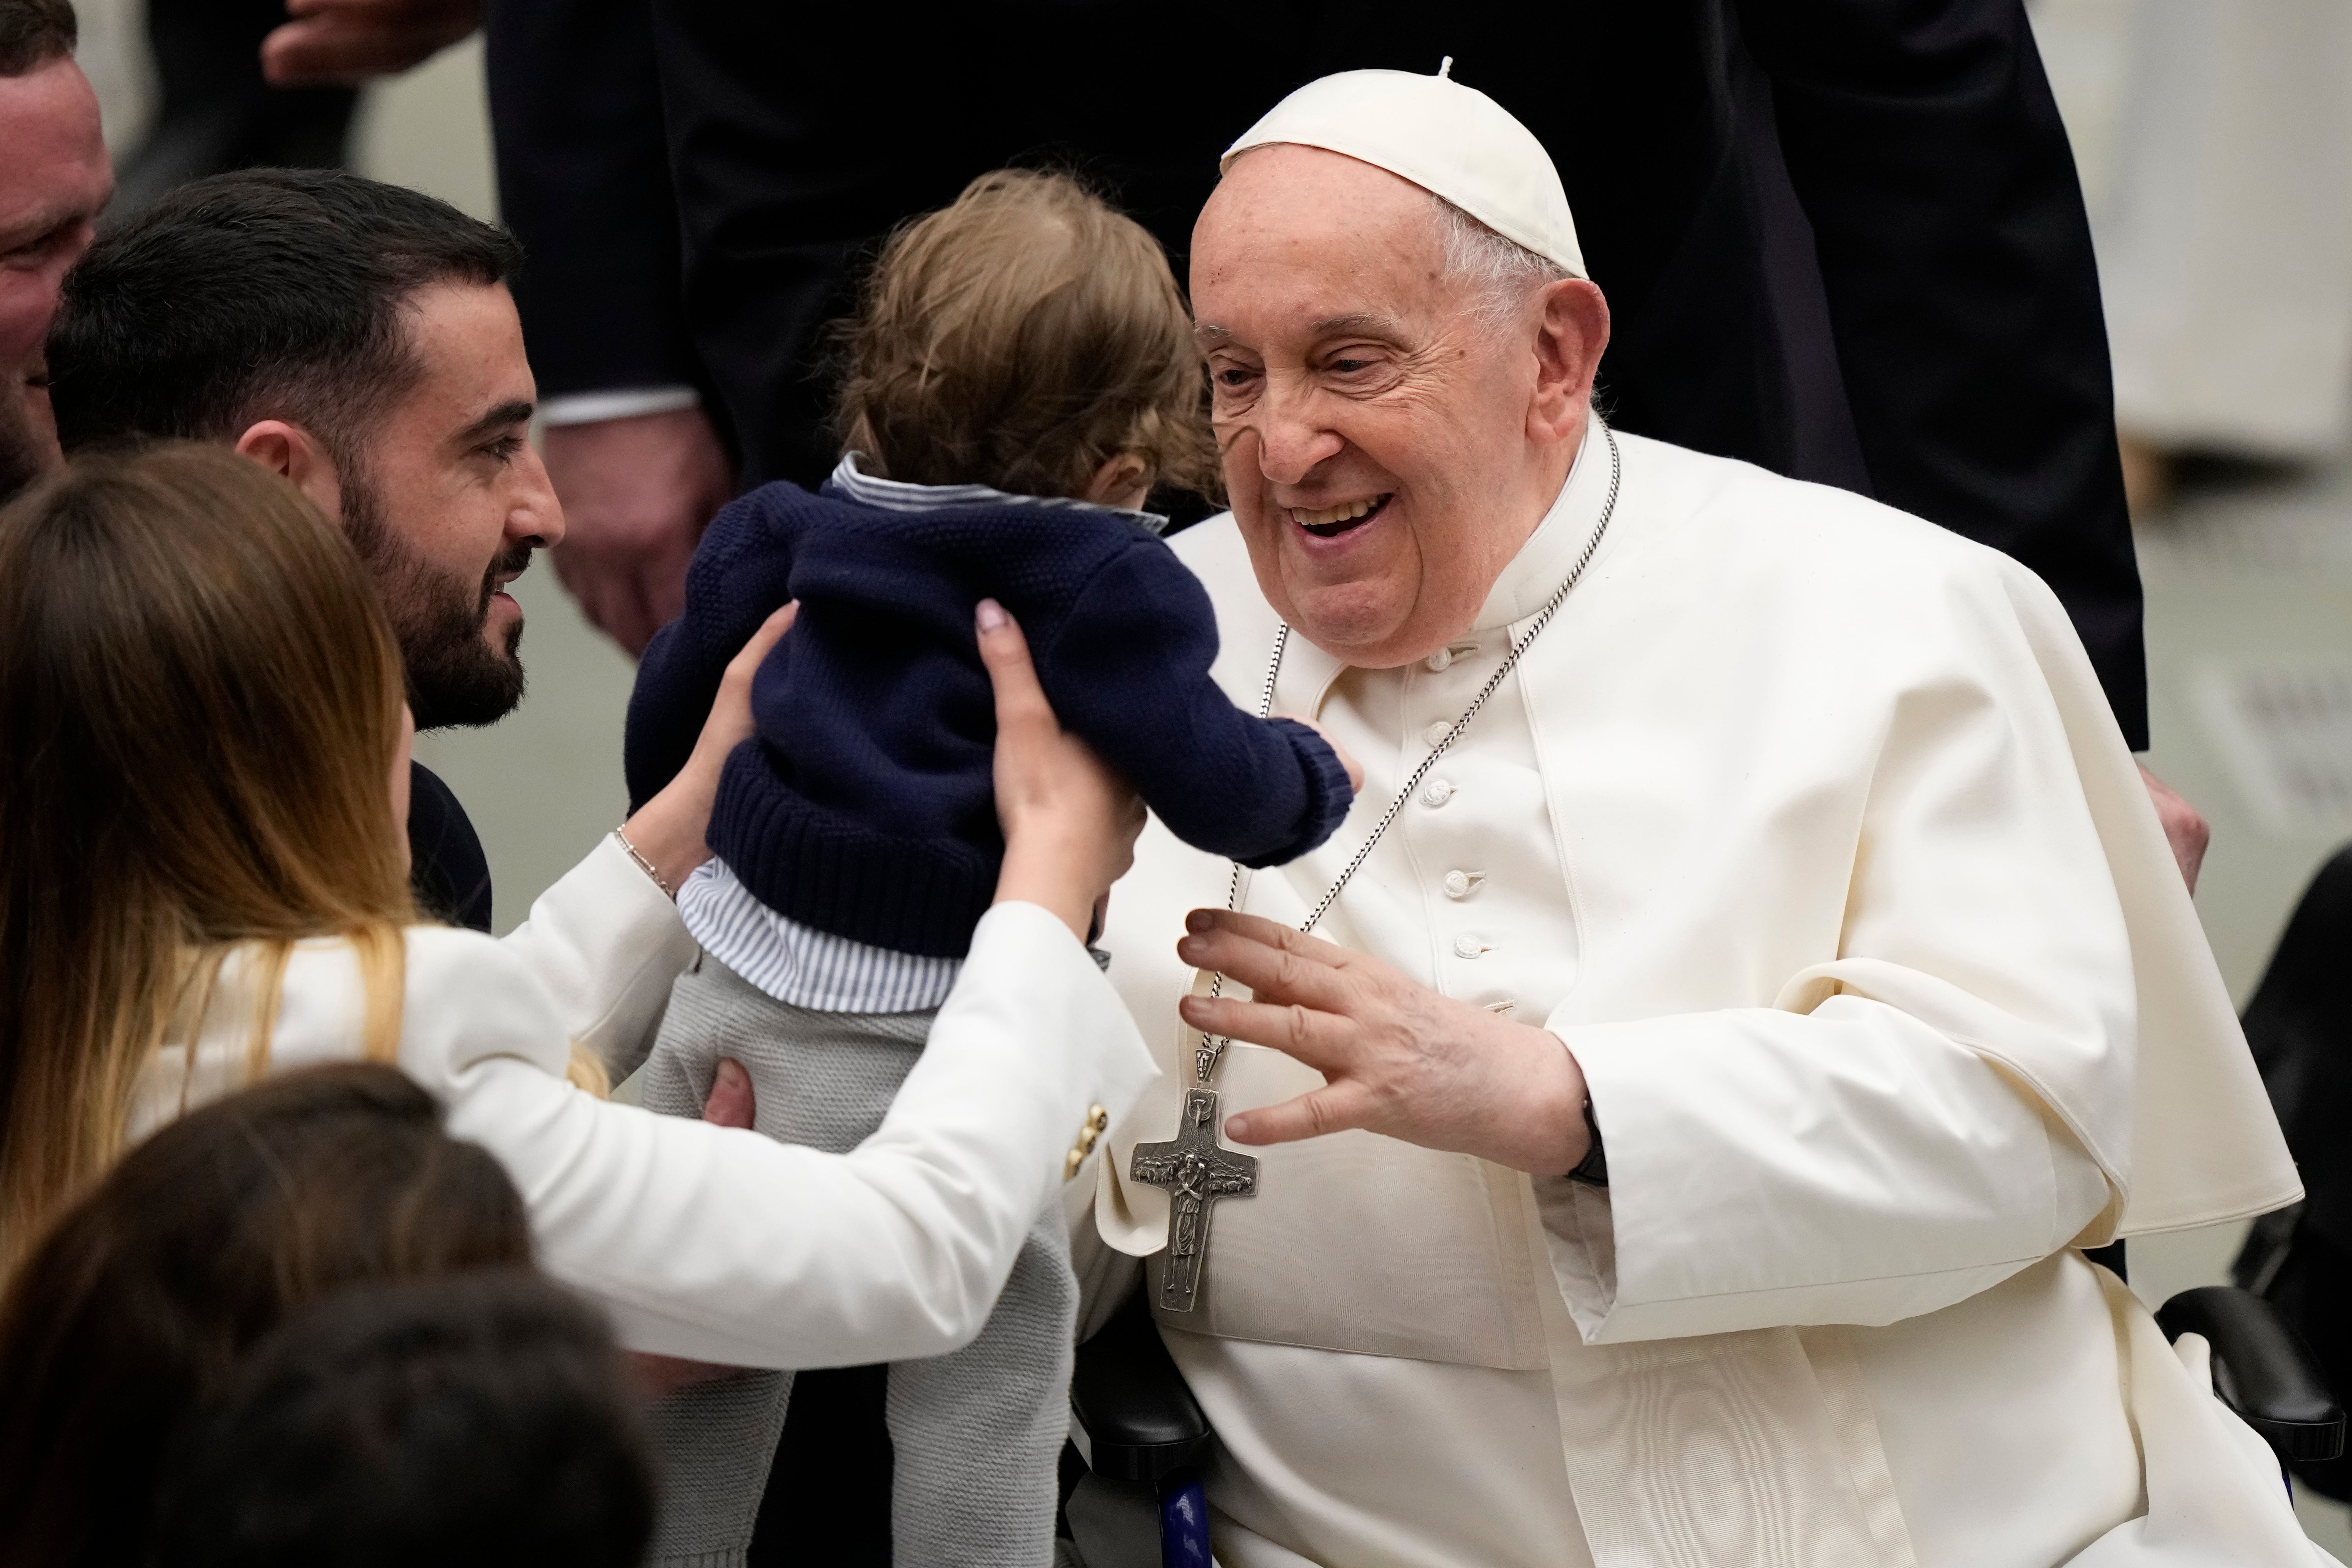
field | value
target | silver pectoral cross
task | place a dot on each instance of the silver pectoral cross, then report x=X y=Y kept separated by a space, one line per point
x=1196 y=1173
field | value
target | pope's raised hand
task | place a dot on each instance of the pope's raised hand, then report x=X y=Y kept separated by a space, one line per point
x=1398 y=1059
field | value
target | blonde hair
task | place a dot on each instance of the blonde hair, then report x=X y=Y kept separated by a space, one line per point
x=202 y=700
x=1021 y=338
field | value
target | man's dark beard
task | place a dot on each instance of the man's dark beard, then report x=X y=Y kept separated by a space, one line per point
x=454 y=676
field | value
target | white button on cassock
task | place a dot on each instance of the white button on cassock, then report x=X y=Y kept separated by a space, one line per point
x=1462 y=884
x=1444 y=657
x=1437 y=733
x=1436 y=792
x=1471 y=947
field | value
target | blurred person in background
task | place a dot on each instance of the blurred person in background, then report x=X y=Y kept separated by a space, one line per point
x=146 y=1293
x=2225 y=242
x=54 y=181
x=214 y=110
x=478 y=1421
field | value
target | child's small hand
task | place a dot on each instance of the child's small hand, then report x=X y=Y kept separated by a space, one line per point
x=1355 y=769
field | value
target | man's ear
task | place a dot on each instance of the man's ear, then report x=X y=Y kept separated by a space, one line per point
x=300 y=456
x=1570 y=333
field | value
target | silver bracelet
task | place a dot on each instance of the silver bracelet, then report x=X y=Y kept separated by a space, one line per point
x=645 y=864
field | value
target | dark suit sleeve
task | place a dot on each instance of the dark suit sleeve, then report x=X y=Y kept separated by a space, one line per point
x=584 y=183
x=1127 y=671
x=1922 y=140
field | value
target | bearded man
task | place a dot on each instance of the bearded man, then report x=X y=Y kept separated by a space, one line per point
x=1776 y=842
x=358 y=339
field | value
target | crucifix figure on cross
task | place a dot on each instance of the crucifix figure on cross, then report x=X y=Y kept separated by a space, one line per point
x=1196 y=1173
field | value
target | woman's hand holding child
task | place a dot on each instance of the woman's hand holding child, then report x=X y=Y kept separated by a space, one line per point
x=1070 y=824
x=668 y=829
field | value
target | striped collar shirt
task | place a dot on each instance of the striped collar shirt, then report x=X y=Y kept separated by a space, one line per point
x=897 y=495
x=801 y=966
x=814 y=969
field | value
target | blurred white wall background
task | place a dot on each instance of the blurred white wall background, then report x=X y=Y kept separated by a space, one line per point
x=2214 y=138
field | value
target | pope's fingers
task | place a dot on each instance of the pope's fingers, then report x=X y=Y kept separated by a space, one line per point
x=1316 y=1038
x=1272 y=933
x=1335 y=1108
x=1275 y=974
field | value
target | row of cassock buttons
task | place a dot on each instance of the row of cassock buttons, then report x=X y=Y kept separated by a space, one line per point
x=1458 y=884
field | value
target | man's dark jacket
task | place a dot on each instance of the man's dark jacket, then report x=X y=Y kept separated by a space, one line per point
x=446 y=869
x=1840 y=238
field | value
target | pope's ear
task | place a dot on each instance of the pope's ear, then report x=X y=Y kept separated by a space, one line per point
x=292 y=451
x=1572 y=333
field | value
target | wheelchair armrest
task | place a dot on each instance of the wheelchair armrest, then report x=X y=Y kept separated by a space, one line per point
x=1141 y=1421
x=2262 y=1369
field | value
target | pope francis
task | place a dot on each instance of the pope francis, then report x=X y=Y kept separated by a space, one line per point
x=1751 y=971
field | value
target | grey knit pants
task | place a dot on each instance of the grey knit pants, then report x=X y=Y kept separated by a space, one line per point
x=977 y=1433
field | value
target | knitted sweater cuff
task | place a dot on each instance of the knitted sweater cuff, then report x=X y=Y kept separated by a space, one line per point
x=818 y=866
x=1328 y=792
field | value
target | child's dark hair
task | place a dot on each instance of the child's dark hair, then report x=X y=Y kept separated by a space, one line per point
x=1021 y=338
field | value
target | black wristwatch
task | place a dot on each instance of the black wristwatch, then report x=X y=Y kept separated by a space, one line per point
x=1593 y=1169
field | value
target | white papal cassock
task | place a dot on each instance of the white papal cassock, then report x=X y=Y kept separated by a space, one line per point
x=1806 y=826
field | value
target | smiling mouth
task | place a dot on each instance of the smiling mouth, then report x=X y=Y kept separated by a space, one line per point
x=1329 y=522
x=502 y=574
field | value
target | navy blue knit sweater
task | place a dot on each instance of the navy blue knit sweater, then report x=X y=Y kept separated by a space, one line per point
x=864 y=805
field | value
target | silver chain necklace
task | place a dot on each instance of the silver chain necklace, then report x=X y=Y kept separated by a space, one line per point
x=1211 y=1051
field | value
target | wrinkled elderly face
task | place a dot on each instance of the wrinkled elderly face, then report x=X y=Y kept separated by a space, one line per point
x=1386 y=450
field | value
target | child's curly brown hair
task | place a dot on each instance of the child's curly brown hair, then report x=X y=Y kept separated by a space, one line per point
x=1021 y=338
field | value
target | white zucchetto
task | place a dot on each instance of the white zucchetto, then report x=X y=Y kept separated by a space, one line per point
x=1450 y=139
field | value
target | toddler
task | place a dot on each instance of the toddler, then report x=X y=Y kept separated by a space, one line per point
x=1020 y=374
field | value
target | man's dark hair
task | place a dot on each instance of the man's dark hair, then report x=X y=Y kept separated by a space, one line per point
x=477 y=1419
x=266 y=293
x=35 y=32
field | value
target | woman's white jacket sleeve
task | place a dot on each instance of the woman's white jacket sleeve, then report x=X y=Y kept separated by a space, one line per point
x=721 y=1245
x=604 y=943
